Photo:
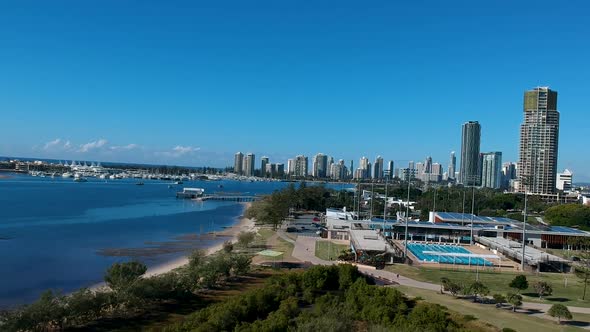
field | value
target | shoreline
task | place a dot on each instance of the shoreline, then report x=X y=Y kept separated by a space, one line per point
x=231 y=234
x=244 y=224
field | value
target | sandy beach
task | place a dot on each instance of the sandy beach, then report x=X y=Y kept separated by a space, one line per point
x=230 y=234
x=244 y=225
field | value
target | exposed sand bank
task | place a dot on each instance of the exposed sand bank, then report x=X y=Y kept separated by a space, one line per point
x=228 y=234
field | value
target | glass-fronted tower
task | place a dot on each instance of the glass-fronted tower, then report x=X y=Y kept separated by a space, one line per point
x=539 y=135
x=470 y=143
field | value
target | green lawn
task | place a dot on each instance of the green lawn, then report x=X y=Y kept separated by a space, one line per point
x=327 y=250
x=489 y=313
x=498 y=283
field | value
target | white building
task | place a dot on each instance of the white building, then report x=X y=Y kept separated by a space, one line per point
x=564 y=180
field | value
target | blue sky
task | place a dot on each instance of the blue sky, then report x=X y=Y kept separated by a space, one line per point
x=191 y=83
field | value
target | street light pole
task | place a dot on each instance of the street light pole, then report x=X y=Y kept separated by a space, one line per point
x=407 y=215
x=524 y=229
x=472 y=210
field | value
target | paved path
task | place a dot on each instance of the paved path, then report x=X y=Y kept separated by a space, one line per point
x=305 y=251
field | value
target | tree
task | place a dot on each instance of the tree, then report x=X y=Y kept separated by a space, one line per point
x=478 y=289
x=560 y=311
x=519 y=282
x=241 y=264
x=582 y=270
x=246 y=238
x=120 y=276
x=543 y=288
x=499 y=299
x=569 y=215
x=450 y=286
x=228 y=247
x=514 y=299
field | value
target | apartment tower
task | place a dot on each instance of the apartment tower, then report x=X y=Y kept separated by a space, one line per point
x=539 y=134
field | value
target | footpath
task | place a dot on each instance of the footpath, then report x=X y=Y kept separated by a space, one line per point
x=304 y=250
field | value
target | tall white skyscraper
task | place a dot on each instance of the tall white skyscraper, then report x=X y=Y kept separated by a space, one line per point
x=248 y=167
x=491 y=170
x=301 y=166
x=238 y=163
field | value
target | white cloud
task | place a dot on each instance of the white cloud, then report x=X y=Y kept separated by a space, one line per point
x=52 y=144
x=124 y=147
x=93 y=145
x=178 y=151
x=57 y=144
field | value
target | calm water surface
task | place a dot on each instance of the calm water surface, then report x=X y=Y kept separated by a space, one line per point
x=54 y=232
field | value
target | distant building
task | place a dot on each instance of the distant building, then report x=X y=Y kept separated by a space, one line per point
x=491 y=173
x=301 y=166
x=263 y=170
x=364 y=169
x=470 y=144
x=539 y=135
x=248 y=167
x=280 y=169
x=564 y=180
x=452 y=167
x=238 y=163
x=508 y=174
x=320 y=164
x=390 y=169
x=404 y=173
x=329 y=167
x=378 y=168
x=290 y=166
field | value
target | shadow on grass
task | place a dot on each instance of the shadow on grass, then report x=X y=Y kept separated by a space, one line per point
x=576 y=323
x=531 y=311
x=557 y=299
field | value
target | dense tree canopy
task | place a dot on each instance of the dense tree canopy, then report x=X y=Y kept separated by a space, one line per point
x=569 y=215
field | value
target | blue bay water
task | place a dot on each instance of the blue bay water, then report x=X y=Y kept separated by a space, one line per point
x=53 y=231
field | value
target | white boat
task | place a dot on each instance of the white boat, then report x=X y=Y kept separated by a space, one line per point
x=66 y=175
x=80 y=179
x=112 y=177
x=103 y=176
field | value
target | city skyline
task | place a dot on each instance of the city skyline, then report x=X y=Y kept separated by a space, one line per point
x=179 y=89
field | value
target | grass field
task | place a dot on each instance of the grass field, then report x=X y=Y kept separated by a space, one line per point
x=570 y=295
x=490 y=314
x=329 y=251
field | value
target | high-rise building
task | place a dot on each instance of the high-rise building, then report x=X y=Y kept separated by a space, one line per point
x=391 y=169
x=290 y=166
x=452 y=166
x=491 y=170
x=329 y=167
x=539 y=135
x=301 y=166
x=470 y=142
x=280 y=170
x=378 y=168
x=320 y=164
x=248 y=167
x=564 y=180
x=263 y=163
x=238 y=163
x=411 y=165
x=364 y=170
x=508 y=174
